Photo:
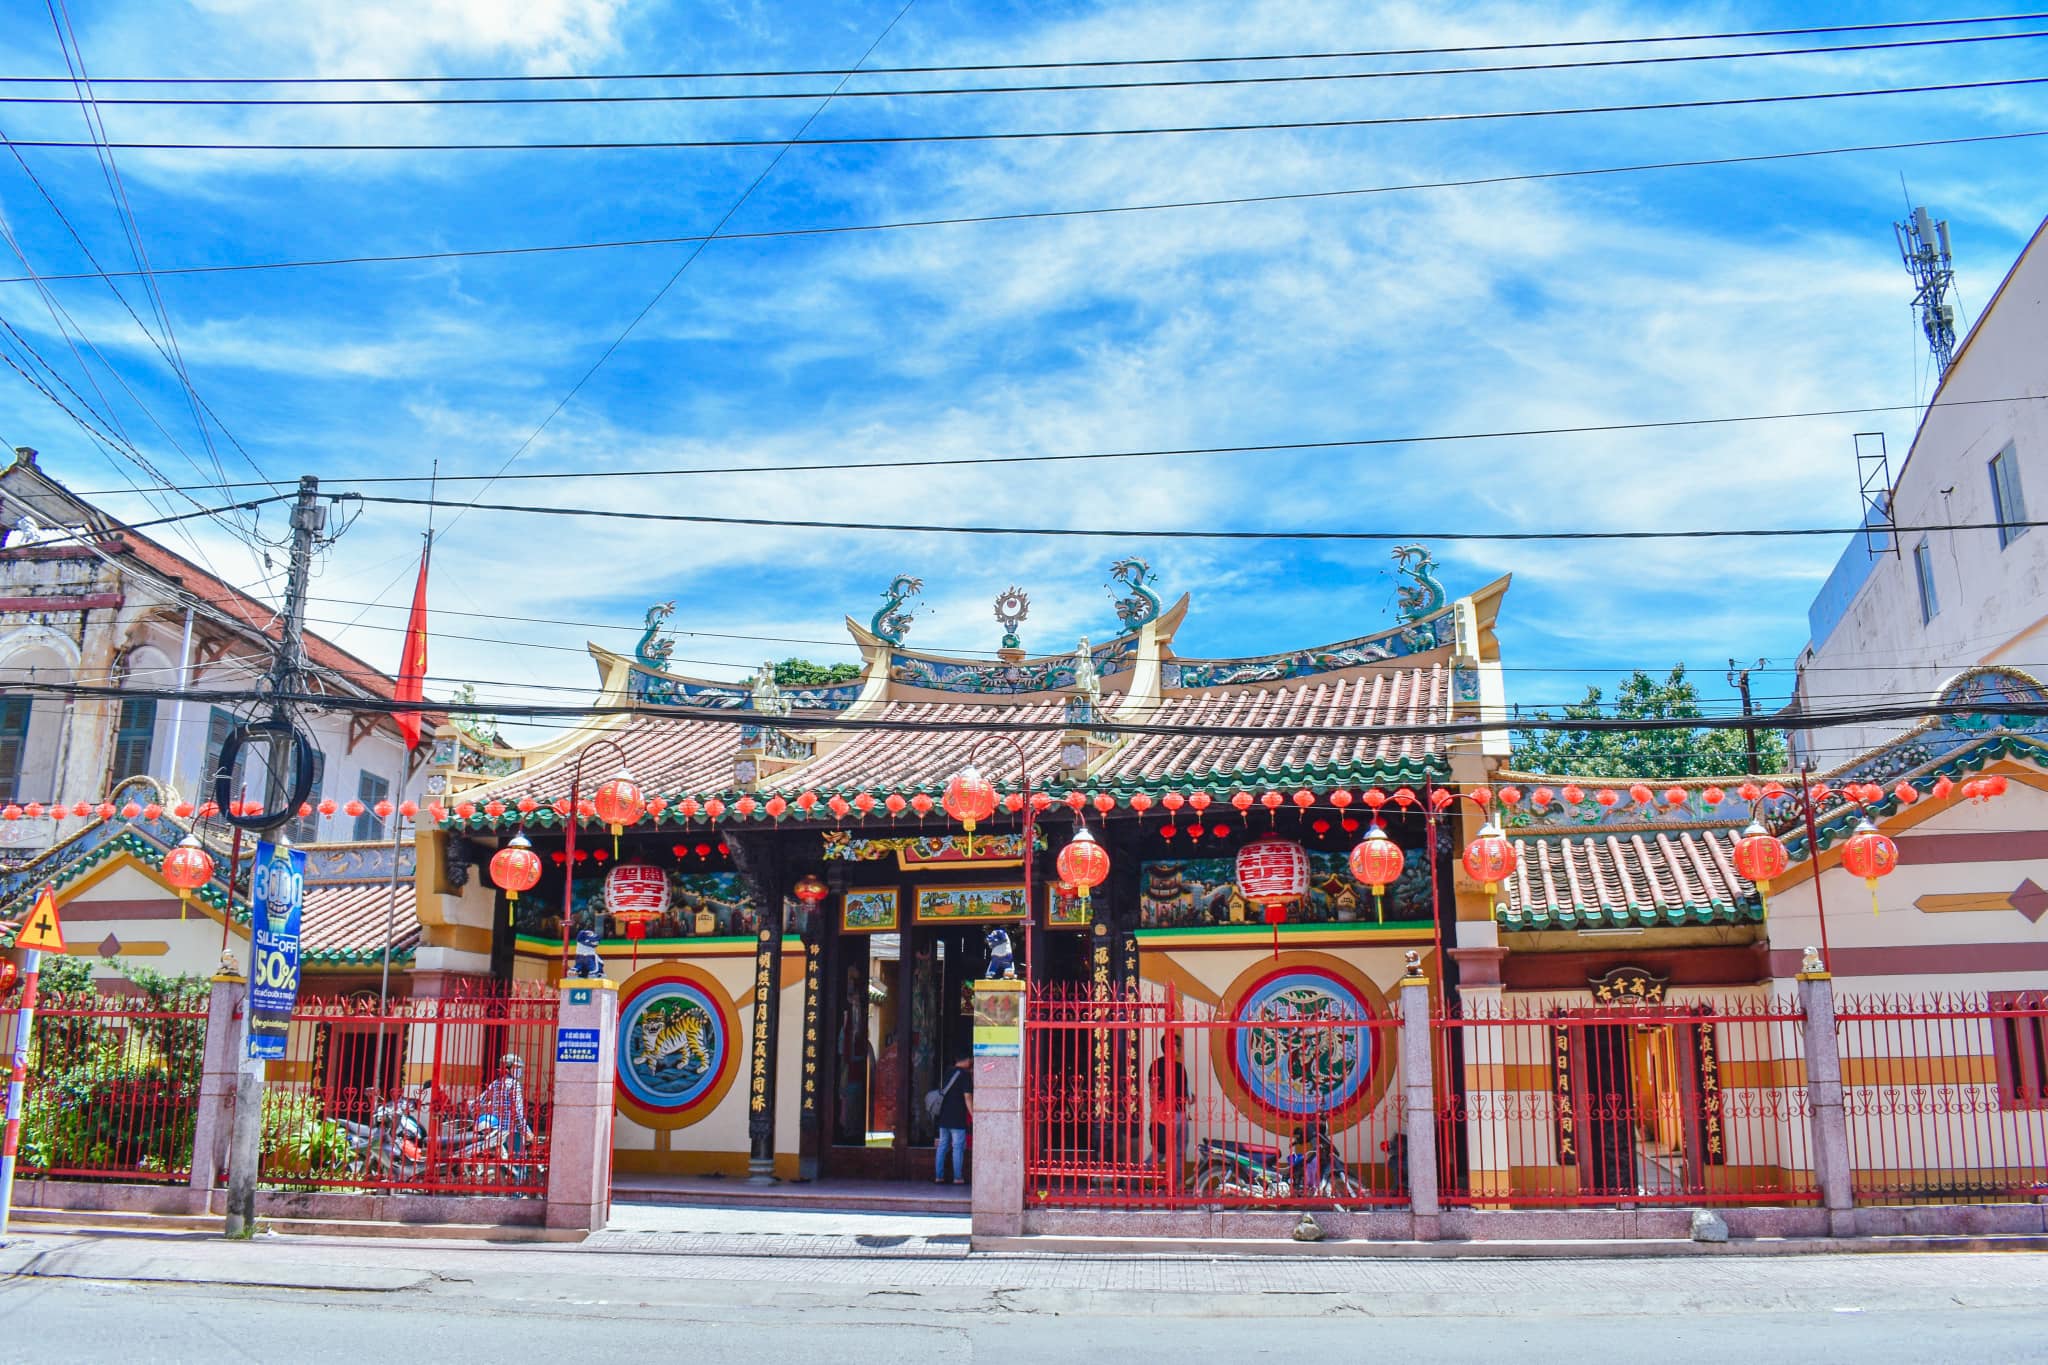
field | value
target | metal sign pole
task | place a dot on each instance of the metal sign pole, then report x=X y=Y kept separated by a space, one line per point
x=24 y=1025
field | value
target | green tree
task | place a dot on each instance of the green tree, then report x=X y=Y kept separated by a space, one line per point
x=804 y=673
x=1678 y=752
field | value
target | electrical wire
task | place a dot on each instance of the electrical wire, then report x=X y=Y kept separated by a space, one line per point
x=1080 y=64
x=764 y=234
x=1267 y=447
x=1064 y=87
x=697 y=518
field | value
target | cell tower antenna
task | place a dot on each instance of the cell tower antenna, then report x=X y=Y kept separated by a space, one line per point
x=1923 y=247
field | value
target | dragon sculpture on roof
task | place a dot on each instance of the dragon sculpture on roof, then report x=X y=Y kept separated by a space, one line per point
x=1142 y=604
x=1421 y=596
x=892 y=623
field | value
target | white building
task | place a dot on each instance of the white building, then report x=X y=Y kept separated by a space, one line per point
x=1893 y=629
x=116 y=608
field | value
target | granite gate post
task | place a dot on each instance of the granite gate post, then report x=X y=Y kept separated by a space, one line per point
x=215 y=1113
x=1418 y=1101
x=1830 y=1135
x=997 y=1195
x=580 y=1136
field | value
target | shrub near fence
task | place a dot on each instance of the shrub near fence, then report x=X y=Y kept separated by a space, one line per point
x=413 y=1097
x=112 y=1091
x=1946 y=1097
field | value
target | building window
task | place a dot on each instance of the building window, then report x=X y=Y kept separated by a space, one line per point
x=2019 y=1028
x=14 y=714
x=2006 y=499
x=1923 y=571
x=306 y=828
x=370 y=789
x=219 y=725
x=134 y=739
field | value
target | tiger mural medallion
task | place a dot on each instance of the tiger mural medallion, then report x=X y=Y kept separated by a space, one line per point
x=678 y=1046
x=1326 y=1050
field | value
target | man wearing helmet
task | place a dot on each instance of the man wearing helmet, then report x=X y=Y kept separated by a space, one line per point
x=503 y=1104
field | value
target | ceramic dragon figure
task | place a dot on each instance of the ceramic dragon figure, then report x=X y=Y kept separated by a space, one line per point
x=1142 y=604
x=652 y=653
x=1419 y=597
x=892 y=623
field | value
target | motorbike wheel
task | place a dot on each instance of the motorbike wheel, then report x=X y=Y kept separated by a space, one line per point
x=1211 y=1178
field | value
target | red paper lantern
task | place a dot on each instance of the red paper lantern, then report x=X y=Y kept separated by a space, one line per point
x=1760 y=858
x=1511 y=796
x=1378 y=862
x=1713 y=796
x=183 y=810
x=1870 y=855
x=515 y=868
x=863 y=803
x=894 y=805
x=1173 y=800
x=1341 y=798
x=327 y=806
x=1273 y=872
x=618 y=803
x=1104 y=802
x=745 y=807
x=383 y=809
x=1140 y=802
x=636 y=889
x=776 y=807
x=187 y=867
x=1014 y=802
x=1083 y=863
x=714 y=809
x=807 y=802
x=1374 y=798
x=466 y=809
x=1304 y=798
x=409 y=809
x=1905 y=793
x=1640 y=793
x=922 y=804
x=1490 y=858
x=1483 y=796
x=130 y=811
x=1271 y=800
x=809 y=889
x=1242 y=801
x=688 y=807
x=1674 y=796
x=1075 y=801
x=1199 y=801
x=1608 y=797
x=838 y=806
x=106 y=810
x=10 y=812
x=355 y=808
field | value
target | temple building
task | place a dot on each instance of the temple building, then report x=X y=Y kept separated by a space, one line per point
x=793 y=919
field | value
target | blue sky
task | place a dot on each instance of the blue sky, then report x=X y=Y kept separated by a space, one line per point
x=1642 y=297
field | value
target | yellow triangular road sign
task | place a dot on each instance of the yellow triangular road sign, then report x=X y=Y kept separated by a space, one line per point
x=41 y=930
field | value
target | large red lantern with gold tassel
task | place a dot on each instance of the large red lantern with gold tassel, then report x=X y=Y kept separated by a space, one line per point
x=1760 y=858
x=1378 y=862
x=1870 y=855
x=515 y=868
x=1490 y=858
x=969 y=799
x=187 y=867
x=618 y=803
x=1083 y=863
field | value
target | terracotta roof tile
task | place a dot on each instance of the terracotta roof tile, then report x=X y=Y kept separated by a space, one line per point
x=346 y=921
x=904 y=760
x=1628 y=880
x=667 y=755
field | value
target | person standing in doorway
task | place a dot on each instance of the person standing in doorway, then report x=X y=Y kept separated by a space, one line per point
x=956 y=1111
x=1167 y=1080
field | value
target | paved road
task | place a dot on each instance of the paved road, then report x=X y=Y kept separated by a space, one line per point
x=72 y=1298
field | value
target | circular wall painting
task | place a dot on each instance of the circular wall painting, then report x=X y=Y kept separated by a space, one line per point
x=678 y=1046
x=1310 y=1066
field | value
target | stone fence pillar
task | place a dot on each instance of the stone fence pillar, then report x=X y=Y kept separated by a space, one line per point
x=997 y=1196
x=222 y=1056
x=1418 y=1101
x=580 y=1138
x=1830 y=1135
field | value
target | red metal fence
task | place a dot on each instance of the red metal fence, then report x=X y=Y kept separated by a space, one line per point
x=113 y=1084
x=1149 y=1102
x=434 y=1095
x=1541 y=1104
x=1946 y=1097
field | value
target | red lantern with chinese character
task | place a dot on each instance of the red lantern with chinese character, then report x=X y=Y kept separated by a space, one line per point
x=1760 y=857
x=1378 y=862
x=515 y=868
x=187 y=867
x=1272 y=872
x=618 y=804
x=1870 y=855
x=1490 y=858
x=1083 y=863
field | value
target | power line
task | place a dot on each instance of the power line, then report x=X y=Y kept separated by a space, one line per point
x=1702 y=533
x=1036 y=135
x=1063 y=87
x=1004 y=718
x=1268 y=447
x=764 y=234
x=1082 y=64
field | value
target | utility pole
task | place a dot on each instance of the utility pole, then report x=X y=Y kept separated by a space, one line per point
x=1738 y=678
x=245 y=1145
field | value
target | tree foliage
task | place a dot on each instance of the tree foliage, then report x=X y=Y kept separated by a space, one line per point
x=1673 y=753
x=805 y=673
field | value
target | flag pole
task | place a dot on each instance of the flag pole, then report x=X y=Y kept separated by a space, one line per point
x=404 y=773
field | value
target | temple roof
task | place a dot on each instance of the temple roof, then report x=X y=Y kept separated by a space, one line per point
x=1662 y=879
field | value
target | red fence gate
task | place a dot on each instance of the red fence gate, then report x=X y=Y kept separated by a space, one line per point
x=113 y=1084
x=440 y=1095
x=1946 y=1097
x=1540 y=1104
x=1144 y=1102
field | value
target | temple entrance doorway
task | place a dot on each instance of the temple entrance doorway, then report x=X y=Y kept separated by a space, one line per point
x=901 y=1006
x=1637 y=1100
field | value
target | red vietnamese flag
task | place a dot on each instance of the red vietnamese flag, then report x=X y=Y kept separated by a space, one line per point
x=412 y=667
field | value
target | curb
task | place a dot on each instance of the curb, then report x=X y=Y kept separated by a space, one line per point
x=1162 y=1248
x=70 y=1220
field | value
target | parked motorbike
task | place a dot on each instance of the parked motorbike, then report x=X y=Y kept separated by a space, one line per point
x=1312 y=1170
x=392 y=1145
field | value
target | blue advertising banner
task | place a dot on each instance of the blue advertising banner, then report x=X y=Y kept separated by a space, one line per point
x=276 y=903
x=575 y=1044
